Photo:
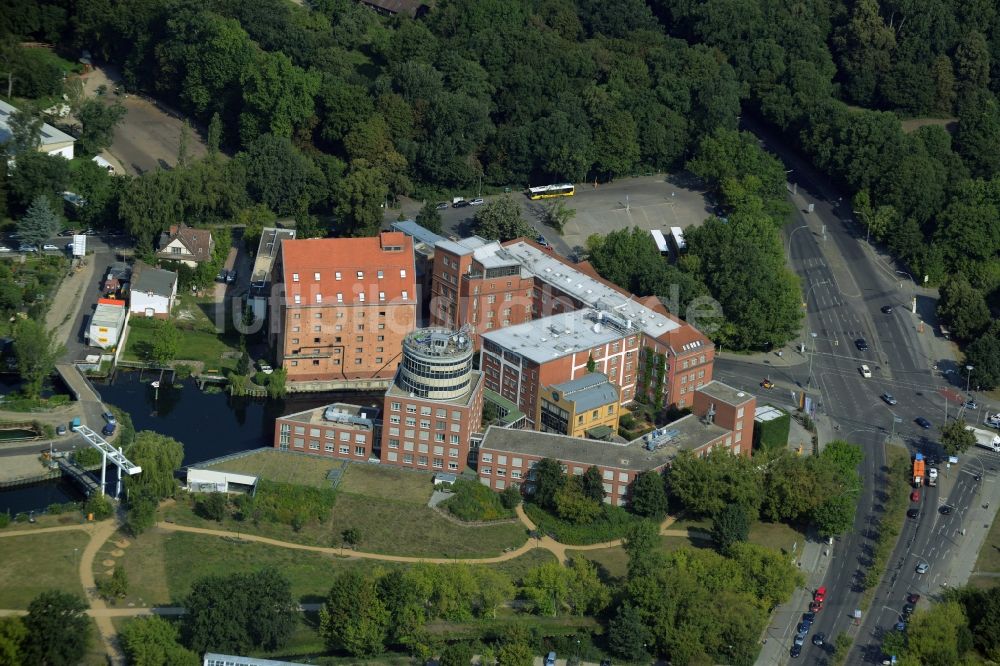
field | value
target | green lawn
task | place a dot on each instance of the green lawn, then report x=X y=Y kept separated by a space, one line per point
x=778 y=536
x=386 y=526
x=283 y=466
x=388 y=483
x=38 y=562
x=195 y=345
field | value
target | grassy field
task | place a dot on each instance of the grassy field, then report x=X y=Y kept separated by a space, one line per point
x=195 y=345
x=283 y=466
x=776 y=535
x=386 y=526
x=389 y=483
x=161 y=565
x=39 y=562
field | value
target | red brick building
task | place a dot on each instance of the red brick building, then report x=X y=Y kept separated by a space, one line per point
x=344 y=306
x=519 y=360
x=492 y=286
x=723 y=417
x=340 y=431
x=435 y=403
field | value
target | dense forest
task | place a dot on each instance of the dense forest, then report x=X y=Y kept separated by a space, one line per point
x=519 y=92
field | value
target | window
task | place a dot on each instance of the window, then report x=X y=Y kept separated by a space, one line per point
x=411 y=421
x=175 y=250
x=361 y=275
x=394 y=406
x=411 y=409
x=345 y=450
x=380 y=275
x=491 y=299
x=422 y=461
x=453 y=466
x=361 y=297
x=319 y=298
x=328 y=447
x=486 y=471
x=406 y=296
x=295 y=341
x=487 y=457
x=337 y=275
x=378 y=359
x=402 y=272
x=340 y=297
x=438 y=463
x=393 y=443
x=381 y=295
x=359 y=450
x=359 y=338
x=297 y=299
x=408 y=458
x=508 y=297
x=295 y=277
x=315 y=362
x=453 y=439
x=439 y=437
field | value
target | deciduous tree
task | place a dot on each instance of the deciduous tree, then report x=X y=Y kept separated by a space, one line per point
x=99 y=121
x=730 y=526
x=501 y=220
x=956 y=437
x=354 y=618
x=166 y=342
x=159 y=456
x=152 y=641
x=429 y=217
x=649 y=496
x=58 y=629
x=628 y=636
x=549 y=479
x=37 y=351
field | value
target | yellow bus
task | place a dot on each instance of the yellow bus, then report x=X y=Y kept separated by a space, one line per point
x=549 y=191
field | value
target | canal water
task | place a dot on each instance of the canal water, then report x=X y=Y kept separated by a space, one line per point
x=208 y=424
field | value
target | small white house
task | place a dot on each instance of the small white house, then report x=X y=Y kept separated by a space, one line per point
x=188 y=246
x=153 y=291
x=218 y=481
x=106 y=324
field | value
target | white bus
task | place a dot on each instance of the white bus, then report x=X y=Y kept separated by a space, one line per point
x=677 y=236
x=661 y=242
x=549 y=191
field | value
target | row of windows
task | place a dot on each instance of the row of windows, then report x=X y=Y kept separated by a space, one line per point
x=423 y=390
x=438 y=463
x=426 y=411
x=314 y=445
x=361 y=275
x=343 y=435
x=425 y=436
x=297 y=298
x=432 y=372
x=423 y=448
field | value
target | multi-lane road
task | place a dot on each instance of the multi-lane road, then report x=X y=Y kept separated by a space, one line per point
x=846 y=288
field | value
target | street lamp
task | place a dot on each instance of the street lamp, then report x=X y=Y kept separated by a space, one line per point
x=809 y=378
x=868 y=224
x=968 y=377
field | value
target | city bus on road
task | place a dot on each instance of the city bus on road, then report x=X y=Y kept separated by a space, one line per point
x=549 y=191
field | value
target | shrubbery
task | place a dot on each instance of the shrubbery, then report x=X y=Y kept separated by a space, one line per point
x=474 y=501
x=289 y=504
x=610 y=523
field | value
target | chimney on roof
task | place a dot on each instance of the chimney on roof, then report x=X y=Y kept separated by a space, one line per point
x=173 y=229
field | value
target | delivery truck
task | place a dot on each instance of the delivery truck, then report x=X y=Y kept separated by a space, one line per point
x=986 y=439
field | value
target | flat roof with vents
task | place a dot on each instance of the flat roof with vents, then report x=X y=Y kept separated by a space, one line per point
x=542 y=340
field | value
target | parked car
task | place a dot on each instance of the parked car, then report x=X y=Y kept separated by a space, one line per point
x=442 y=206
x=915 y=496
x=820 y=594
x=110 y=418
x=477 y=202
x=460 y=204
x=231 y=277
x=809 y=617
x=900 y=625
x=49 y=247
x=861 y=344
x=819 y=639
x=90 y=232
x=912 y=513
x=24 y=247
x=804 y=627
x=923 y=567
x=908 y=611
x=923 y=423
x=913 y=597
x=60 y=430
x=540 y=239
x=800 y=640
x=221 y=277
x=815 y=606
x=866 y=372
x=108 y=429
x=971 y=404
x=889 y=398
x=550 y=660
x=886 y=309
x=945 y=510
x=264 y=367
x=795 y=651
x=4 y=248
x=767 y=384
x=68 y=232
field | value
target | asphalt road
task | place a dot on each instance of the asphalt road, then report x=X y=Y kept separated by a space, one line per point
x=845 y=288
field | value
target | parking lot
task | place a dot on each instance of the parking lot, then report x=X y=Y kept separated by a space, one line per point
x=647 y=202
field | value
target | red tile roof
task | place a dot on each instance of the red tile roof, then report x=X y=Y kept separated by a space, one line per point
x=390 y=252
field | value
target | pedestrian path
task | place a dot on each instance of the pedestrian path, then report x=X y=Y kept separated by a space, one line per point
x=101 y=532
